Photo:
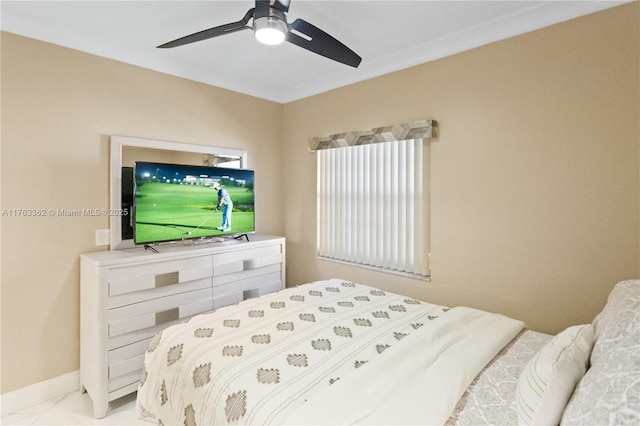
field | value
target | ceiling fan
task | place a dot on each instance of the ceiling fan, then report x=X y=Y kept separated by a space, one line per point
x=270 y=27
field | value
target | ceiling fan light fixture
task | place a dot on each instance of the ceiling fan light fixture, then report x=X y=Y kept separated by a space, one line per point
x=270 y=30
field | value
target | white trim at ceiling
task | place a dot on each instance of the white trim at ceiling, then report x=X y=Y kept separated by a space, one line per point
x=538 y=15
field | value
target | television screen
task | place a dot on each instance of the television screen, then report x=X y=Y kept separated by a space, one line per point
x=177 y=202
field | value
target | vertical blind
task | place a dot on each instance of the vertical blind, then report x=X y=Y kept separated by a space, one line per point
x=371 y=206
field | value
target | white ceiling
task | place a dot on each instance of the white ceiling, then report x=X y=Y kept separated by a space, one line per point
x=388 y=35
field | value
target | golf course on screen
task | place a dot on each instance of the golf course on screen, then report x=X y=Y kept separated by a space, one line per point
x=172 y=211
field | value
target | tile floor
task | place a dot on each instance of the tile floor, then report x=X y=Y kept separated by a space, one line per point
x=75 y=409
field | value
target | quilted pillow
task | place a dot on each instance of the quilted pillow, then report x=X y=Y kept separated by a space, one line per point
x=609 y=394
x=619 y=317
x=610 y=391
x=548 y=379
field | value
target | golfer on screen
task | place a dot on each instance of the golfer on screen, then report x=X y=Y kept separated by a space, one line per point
x=224 y=203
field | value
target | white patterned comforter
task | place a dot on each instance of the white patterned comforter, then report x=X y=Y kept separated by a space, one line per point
x=259 y=361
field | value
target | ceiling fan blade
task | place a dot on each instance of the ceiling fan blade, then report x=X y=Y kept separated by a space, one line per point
x=303 y=34
x=212 y=32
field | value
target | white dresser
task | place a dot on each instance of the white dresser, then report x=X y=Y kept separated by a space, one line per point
x=127 y=296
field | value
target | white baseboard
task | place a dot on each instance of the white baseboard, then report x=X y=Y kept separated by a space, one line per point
x=40 y=392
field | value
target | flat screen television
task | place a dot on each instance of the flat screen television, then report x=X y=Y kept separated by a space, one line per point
x=178 y=202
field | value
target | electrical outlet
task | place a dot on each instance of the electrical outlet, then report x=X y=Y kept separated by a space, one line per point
x=102 y=237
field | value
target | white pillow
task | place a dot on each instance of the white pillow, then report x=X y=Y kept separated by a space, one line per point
x=549 y=378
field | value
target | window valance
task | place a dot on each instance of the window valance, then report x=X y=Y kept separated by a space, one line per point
x=425 y=129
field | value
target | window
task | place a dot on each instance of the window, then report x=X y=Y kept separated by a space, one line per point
x=373 y=207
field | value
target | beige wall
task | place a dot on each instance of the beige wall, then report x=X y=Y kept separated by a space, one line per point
x=535 y=180
x=58 y=108
x=535 y=188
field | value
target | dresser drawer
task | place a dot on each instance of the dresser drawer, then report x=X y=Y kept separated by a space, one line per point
x=157 y=293
x=158 y=274
x=225 y=263
x=243 y=275
x=124 y=340
x=248 y=283
x=262 y=261
x=228 y=268
x=127 y=352
x=126 y=367
x=153 y=312
x=128 y=380
x=227 y=299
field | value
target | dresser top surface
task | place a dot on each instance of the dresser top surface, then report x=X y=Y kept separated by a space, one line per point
x=187 y=248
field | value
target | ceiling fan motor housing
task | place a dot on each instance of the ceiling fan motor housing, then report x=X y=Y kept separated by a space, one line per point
x=270 y=28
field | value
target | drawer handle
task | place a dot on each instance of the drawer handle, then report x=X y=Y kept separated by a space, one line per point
x=168 y=315
x=170 y=278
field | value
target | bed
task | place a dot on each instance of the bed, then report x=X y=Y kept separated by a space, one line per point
x=337 y=352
